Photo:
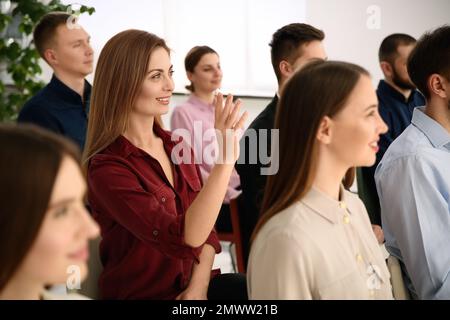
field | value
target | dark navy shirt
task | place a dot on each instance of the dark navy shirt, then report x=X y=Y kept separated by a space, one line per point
x=252 y=182
x=59 y=109
x=397 y=112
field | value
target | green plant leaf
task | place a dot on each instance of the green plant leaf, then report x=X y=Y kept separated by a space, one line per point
x=13 y=51
x=4 y=21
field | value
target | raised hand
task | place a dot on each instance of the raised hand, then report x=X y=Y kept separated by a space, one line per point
x=228 y=124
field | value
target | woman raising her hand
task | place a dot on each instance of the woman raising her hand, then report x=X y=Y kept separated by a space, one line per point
x=156 y=219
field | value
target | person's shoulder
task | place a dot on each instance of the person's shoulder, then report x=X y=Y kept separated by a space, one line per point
x=187 y=105
x=387 y=97
x=105 y=167
x=408 y=143
x=409 y=150
x=41 y=115
x=292 y=230
x=185 y=110
x=38 y=103
x=265 y=118
x=262 y=121
x=288 y=222
x=107 y=155
x=182 y=107
x=48 y=295
x=113 y=155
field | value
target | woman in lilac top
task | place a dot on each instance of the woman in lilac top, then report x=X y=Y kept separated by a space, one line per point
x=196 y=116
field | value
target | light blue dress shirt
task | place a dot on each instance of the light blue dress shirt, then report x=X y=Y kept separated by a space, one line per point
x=413 y=184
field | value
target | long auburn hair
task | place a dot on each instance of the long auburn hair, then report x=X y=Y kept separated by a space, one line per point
x=119 y=75
x=319 y=89
x=30 y=160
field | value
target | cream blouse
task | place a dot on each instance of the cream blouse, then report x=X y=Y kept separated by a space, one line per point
x=318 y=248
x=49 y=295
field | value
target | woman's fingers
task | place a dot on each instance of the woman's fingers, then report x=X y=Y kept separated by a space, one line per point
x=228 y=124
x=227 y=113
x=241 y=121
x=232 y=118
x=219 y=107
x=227 y=108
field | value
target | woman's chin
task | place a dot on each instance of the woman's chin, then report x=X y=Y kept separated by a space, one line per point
x=368 y=162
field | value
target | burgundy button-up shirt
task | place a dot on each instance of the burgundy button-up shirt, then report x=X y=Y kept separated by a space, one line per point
x=142 y=221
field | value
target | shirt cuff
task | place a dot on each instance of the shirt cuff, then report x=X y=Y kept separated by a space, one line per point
x=213 y=240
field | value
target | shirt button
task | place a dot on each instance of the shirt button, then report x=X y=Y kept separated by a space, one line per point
x=163 y=199
x=359 y=257
x=155 y=232
x=342 y=205
x=346 y=219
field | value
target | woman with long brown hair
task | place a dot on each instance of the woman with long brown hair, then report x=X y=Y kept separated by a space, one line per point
x=44 y=226
x=314 y=240
x=145 y=191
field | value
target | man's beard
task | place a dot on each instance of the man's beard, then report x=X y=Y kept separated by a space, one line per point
x=402 y=84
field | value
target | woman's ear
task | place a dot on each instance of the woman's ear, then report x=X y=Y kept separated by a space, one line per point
x=324 y=133
x=190 y=75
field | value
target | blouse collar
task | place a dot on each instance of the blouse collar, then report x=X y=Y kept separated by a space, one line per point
x=328 y=207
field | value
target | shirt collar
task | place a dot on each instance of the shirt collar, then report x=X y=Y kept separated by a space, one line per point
x=436 y=134
x=328 y=207
x=125 y=148
x=69 y=95
x=386 y=89
x=193 y=99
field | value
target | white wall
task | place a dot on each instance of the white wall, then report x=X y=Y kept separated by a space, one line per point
x=345 y=22
x=347 y=25
x=348 y=36
x=239 y=30
x=252 y=105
